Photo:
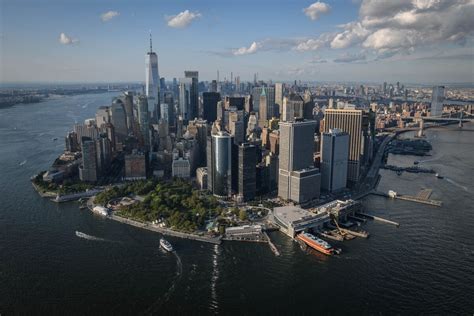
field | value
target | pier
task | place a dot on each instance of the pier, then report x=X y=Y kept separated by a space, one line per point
x=422 y=197
x=380 y=219
x=273 y=248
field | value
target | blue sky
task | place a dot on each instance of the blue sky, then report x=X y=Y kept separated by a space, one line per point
x=341 y=40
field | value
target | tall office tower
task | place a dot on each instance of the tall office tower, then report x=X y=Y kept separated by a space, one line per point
x=293 y=106
x=235 y=102
x=102 y=116
x=152 y=84
x=169 y=100
x=252 y=123
x=209 y=106
x=274 y=139
x=236 y=126
x=247 y=171
x=437 y=100
x=199 y=129
x=385 y=88
x=298 y=180
x=175 y=88
x=219 y=164
x=248 y=104
x=72 y=145
x=334 y=160
x=213 y=87
x=194 y=94
x=88 y=129
x=144 y=121
x=88 y=168
x=220 y=113
x=103 y=150
x=164 y=112
x=349 y=121
x=308 y=106
x=118 y=118
x=109 y=130
x=279 y=96
x=185 y=86
x=162 y=84
x=181 y=168
x=263 y=109
x=270 y=93
x=128 y=105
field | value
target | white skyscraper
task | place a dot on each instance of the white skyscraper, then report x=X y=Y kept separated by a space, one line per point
x=152 y=88
x=437 y=100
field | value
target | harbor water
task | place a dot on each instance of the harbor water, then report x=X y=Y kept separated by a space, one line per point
x=424 y=266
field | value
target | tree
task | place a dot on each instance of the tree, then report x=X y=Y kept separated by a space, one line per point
x=243 y=215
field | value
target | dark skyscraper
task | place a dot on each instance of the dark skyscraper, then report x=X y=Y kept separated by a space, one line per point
x=209 y=105
x=247 y=171
x=128 y=106
x=219 y=164
x=194 y=94
x=88 y=168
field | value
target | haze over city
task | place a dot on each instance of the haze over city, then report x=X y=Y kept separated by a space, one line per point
x=415 y=41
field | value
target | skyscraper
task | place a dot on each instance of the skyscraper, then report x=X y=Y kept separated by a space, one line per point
x=128 y=105
x=88 y=168
x=349 y=121
x=194 y=94
x=270 y=93
x=209 y=105
x=247 y=171
x=437 y=100
x=298 y=180
x=219 y=164
x=263 y=109
x=144 y=121
x=118 y=118
x=185 y=86
x=152 y=84
x=334 y=160
x=293 y=106
x=279 y=96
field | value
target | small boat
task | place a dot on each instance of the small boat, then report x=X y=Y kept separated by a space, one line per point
x=55 y=139
x=166 y=245
x=416 y=162
x=439 y=176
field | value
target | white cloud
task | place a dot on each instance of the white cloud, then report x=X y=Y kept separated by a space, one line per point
x=183 y=19
x=107 y=16
x=401 y=26
x=252 y=49
x=317 y=9
x=67 y=40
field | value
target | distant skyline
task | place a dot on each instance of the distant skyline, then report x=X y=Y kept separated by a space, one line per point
x=416 y=41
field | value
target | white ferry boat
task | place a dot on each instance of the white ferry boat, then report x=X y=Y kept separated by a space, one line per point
x=166 y=245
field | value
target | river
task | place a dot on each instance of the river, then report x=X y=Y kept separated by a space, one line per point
x=425 y=266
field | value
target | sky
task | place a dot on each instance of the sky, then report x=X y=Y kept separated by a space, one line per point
x=412 y=41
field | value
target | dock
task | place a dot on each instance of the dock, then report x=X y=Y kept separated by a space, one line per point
x=335 y=237
x=422 y=197
x=273 y=248
x=380 y=219
x=362 y=234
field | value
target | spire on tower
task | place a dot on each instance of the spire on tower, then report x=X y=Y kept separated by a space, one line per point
x=151 y=50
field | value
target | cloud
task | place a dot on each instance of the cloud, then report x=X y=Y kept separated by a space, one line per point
x=402 y=26
x=317 y=60
x=252 y=49
x=317 y=9
x=67 y=40
x=183 y=19
x=107 y=16
x=350 y=58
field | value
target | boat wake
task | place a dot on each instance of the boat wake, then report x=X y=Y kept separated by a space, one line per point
x=214 y=277
x=89 y=237
x=156 y=306
x=23 y=162
x=458 y=185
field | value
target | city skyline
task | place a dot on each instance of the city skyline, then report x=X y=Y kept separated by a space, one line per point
x=411 y=41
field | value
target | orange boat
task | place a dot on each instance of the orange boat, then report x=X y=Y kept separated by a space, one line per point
x=316 y=243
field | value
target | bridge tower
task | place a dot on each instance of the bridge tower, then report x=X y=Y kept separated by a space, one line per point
x=460 y=120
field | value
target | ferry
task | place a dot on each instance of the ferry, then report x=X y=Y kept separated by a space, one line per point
x=317 y=243
x=166 y=245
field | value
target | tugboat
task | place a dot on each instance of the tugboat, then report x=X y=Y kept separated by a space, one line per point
x=166 y=245
x=439 y=176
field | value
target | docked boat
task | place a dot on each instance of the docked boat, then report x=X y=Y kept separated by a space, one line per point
x=317 y=243
x=166 y=245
